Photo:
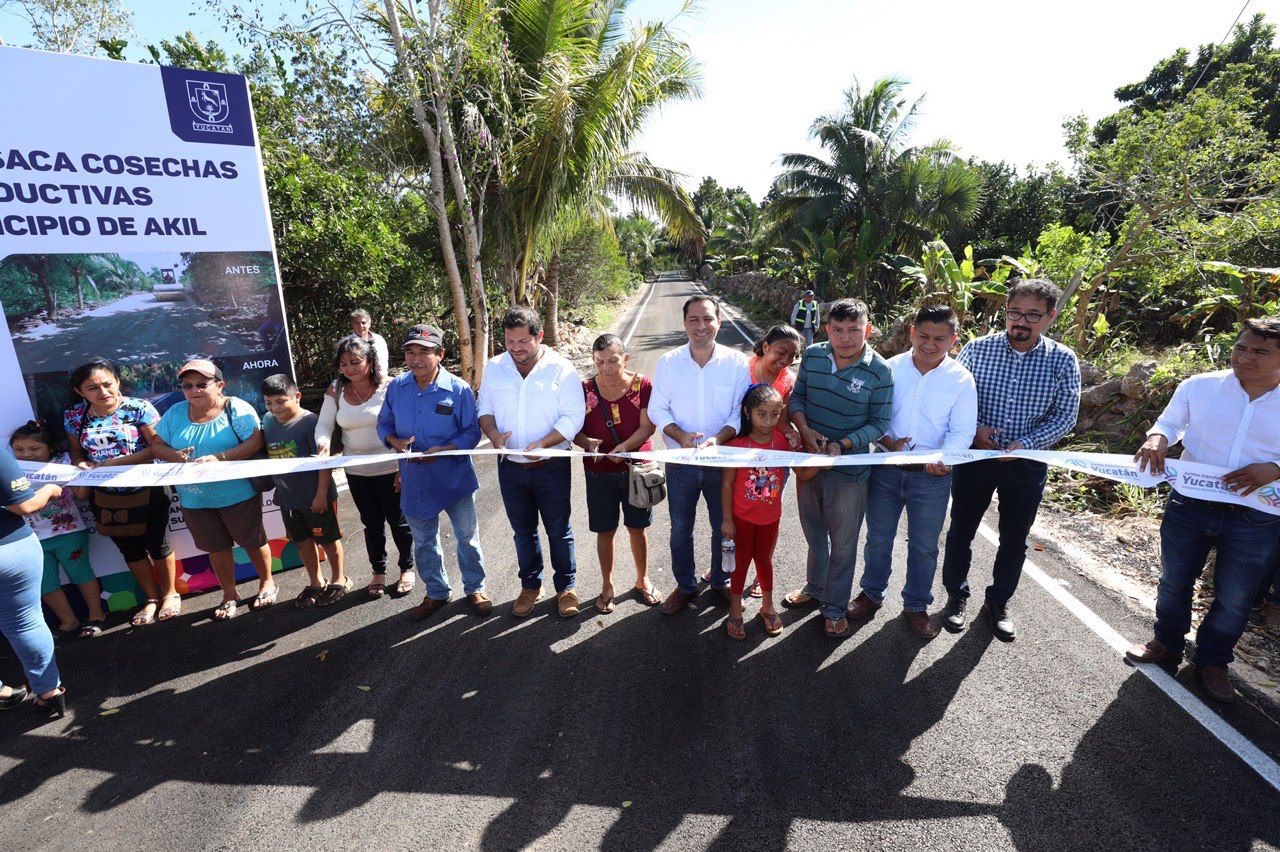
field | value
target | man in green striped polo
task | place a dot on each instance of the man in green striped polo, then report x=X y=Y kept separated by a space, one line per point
x=841 y=404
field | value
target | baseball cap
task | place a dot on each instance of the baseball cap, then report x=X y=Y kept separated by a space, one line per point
x=808 y=292
x=202 y=366
x=424 y=335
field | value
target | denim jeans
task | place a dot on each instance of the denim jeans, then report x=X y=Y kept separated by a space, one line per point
x=1020 y=484
x=1244 y=539
x=379 y=507
x=542 y=491
x=1270 y=590
x=808 y=336
x=925 y=497
x=831 y=510
x=685 y=484
x=21 y=619
x=430 y=557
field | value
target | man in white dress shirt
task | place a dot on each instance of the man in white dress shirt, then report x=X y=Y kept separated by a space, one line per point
x=1229 y=419
x=697 y=391
x=532 y=399
x=935 y=407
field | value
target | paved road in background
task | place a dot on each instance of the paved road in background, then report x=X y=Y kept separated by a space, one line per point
x=355 y=727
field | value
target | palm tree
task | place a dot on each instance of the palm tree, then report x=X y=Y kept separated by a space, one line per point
x=872 y=191
x=742 y=238
x=587 y=86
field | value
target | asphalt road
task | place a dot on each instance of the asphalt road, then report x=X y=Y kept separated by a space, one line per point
x=354 y=727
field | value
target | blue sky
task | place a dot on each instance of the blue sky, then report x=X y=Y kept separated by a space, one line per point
x=1000 y=76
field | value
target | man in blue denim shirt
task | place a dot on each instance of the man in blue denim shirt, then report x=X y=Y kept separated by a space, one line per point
x=430 y=410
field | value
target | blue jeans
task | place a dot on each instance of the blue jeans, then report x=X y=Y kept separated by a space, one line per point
x=808 y=335
x=528 y=493
x=1244 y=539
x=430 y=557
x=1020 y=484
x=21 y=619
x=1271 y=583
x=831 y=510
x=685 y=484
x=925 y=497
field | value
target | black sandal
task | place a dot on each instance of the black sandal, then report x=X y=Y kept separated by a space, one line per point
x=16 y=696
x=53 y=708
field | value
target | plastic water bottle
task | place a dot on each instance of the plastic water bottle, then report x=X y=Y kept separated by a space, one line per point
x=728 y=560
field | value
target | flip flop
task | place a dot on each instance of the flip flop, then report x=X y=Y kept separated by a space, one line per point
x=836 y=628
x=377 y=588
x=225 y=611
x=650 y=595
x=735 y=628
x=754 y=590
x=604 y=604
x=407 y=581
x=92 y=628
x=772 y=623
x=798 y=600
x=264 y=598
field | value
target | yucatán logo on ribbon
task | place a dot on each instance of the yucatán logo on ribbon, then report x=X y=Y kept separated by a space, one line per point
x=208 y=107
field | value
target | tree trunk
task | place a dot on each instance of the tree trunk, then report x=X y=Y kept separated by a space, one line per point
x=50 y=297
x=466 y=352
x=552 y=328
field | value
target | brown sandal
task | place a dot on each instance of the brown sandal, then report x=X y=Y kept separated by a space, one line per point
x=604 y=604
x=772 y=623
x=735 y=628
x=377 y=588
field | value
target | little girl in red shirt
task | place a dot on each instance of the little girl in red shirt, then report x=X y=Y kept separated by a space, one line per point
x=751 y=498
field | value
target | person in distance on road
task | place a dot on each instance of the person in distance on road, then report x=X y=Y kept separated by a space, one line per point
x=804 y=316
x=1229 y=419
x=696 y=392
x=935 y=407
x=1028 y=399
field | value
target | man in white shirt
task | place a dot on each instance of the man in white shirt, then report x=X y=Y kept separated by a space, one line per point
x=935 y=407
x=1229 y=419
x=361 y=324
x=697 y=391
x=532 y=399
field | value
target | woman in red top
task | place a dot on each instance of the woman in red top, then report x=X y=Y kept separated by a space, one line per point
x=751 y=498
x=617 y=421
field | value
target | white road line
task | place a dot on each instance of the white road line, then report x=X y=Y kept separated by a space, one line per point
x=1254 y=757
x=635 y=320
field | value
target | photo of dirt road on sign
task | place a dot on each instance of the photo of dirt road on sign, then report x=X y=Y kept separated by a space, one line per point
x=63 y=309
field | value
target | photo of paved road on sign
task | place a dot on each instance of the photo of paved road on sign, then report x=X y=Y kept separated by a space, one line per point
x=63 y=310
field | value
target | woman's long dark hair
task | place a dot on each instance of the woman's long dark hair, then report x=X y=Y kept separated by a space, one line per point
x=776 y=333
x=364 y=349
x=756 y=395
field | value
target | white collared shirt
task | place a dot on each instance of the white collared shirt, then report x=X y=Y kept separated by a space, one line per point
x=937 y=410
x=529 y=407
x=699 y=399
x=1218 y=424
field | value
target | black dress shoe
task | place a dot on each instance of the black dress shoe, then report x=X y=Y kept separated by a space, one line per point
x=953 y=614
x=998 y=618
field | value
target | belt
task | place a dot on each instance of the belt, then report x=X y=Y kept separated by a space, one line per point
x=910 y=468
x=528 y=465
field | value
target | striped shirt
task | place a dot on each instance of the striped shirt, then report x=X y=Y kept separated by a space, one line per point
x=855 y=402
x=1032 y=398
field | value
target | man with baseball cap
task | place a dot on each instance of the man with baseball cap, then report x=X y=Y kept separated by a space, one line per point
x=430 y=410
x=804 y=316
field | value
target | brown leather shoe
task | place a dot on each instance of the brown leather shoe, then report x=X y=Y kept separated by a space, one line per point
x=481 y=603
x=1154 y=651
x=862 y=606
x=1217 y=683
x=426 y=609
x=921 y=623
x=567 y=603
x=676 y=601
x=524 y=603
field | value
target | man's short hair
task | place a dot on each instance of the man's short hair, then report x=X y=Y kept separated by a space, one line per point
x=847 y=310
x=943 y=314
x=522 y=317
x=279 y=385
x=1267 y=327
x=700 y=297
x=1041 y=288
x=361 y=314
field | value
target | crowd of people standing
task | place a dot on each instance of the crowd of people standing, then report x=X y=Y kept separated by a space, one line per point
x=1013 y=389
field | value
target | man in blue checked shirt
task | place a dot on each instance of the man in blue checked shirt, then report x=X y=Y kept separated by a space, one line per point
x=430 y=410
x=1028 y=398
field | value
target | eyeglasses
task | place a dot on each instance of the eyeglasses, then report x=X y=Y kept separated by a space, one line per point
x=1021 y=316
x=195 y=385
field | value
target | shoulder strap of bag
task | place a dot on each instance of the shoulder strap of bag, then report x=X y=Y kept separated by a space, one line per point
x=604 y=412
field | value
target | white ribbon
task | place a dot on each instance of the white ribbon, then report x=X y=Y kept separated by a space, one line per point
x=1190 y=479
